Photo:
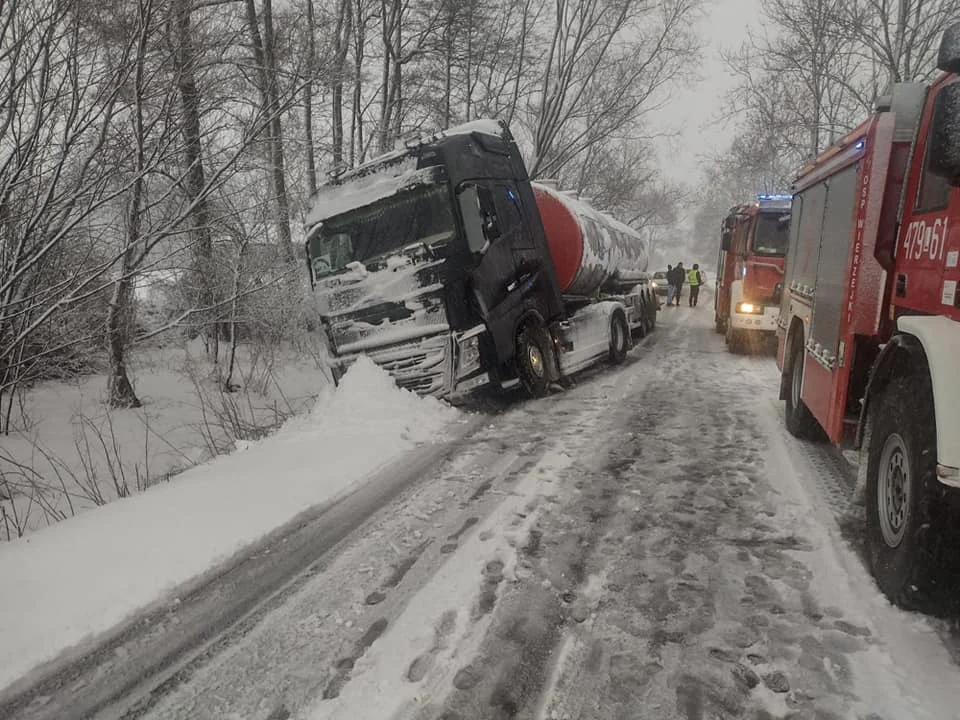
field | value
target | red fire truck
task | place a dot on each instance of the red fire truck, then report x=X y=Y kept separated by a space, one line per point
x=869 y=328
x=753 y=243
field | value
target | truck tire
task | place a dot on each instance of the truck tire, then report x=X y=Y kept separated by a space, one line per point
x=799 y=420
x=907 y=507
x=619 y=338
x=736 y=342
x=533 y=343
x=720 y=325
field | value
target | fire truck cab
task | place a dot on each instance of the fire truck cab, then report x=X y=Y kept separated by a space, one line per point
x=869 y=328
x=750 y=267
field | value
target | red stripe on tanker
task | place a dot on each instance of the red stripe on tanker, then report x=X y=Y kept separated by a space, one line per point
x=590 y=249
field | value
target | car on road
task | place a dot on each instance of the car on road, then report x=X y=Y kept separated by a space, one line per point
x=660 y=282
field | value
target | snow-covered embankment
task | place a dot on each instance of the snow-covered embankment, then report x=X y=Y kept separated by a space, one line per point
x=83 y=576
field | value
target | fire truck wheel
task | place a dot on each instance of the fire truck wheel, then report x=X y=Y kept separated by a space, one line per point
x=907 y=507
x=720 y=325
x=533 y=343
x=735 y=340
x=619 y=338
x=798 y=418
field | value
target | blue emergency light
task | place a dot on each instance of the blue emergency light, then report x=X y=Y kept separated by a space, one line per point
x=861 y=144
x=773 y=198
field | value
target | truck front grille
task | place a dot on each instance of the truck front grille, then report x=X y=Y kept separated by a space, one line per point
x=422 y=366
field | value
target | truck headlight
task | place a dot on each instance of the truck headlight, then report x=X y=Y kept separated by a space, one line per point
x=469 y=355
x=749 y=308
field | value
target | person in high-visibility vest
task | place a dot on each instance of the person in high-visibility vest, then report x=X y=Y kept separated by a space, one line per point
x=695 y=279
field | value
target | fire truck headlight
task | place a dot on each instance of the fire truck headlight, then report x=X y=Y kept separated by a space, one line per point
x=749 y=308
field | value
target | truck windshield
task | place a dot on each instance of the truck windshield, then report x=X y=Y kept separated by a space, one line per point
x=422 y=217
x=771 y=234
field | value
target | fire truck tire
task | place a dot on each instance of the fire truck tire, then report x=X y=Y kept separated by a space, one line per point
x=619 y=338
x=797 y=416
x=533 y=353
x=736 y=342
x=720 y=325
x=907 y=508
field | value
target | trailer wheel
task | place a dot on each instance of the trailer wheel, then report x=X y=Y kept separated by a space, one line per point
x=619 y=338
x=798 y=418
x=906 y=505
x=533 y=343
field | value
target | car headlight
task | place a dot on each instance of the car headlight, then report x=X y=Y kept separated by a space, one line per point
x=653 y=283
x=749 y=308
x=469 y=355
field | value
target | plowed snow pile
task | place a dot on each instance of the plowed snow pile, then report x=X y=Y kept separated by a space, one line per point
x=85 y=575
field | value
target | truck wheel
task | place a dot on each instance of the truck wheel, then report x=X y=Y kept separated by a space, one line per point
x=619 y=338
x=532 y=353
x=720 y=325
x=798 y=418
x=906 y=505
x=641 y=329
x=735 y=340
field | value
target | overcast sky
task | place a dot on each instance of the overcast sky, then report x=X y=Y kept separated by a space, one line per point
x=693 y=110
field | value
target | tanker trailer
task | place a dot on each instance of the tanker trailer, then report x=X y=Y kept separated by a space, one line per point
x=601 y=268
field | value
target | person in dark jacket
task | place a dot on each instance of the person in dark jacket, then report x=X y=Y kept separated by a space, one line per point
x=679 y=275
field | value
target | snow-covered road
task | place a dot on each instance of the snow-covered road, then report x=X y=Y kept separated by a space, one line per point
x=648 y=544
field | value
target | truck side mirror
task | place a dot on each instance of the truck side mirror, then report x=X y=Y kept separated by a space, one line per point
x=943 y=155
x=725 y=238
x=948 y=59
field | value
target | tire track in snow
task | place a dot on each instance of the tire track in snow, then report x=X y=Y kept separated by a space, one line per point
x=282 y=658
x=704 y=607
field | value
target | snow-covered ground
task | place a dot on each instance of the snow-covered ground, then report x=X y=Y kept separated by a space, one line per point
x=84 y=575
x=68 y=452
x=650 y=544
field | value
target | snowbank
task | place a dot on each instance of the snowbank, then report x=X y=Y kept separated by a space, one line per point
x=86 y=574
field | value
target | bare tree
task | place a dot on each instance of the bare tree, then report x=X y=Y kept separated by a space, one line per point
x=195 y=181
x=605 y=64
x=902 y=36
x=264 y=52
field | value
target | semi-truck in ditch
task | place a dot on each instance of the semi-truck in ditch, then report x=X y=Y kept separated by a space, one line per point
x=869 y=327
x=450 y=269
x=753 y=245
